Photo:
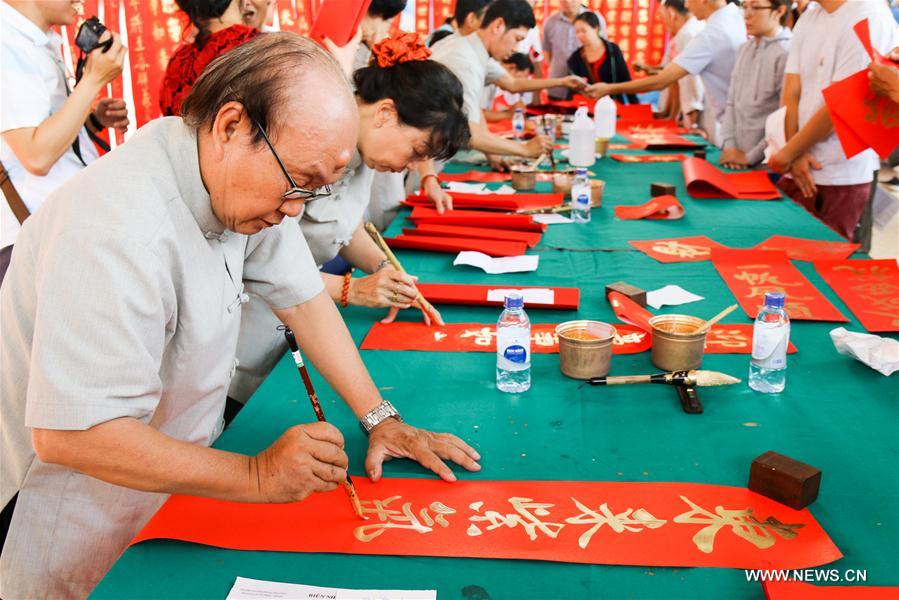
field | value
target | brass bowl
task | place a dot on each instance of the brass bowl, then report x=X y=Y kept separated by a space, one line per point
x=585 y=348
x=524 y=179
x=675 y=344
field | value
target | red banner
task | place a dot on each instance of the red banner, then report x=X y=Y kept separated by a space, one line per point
x=478 y=176
x=870 y=288
x=751 y=273
x=676 y=250
x=531 y=238
x=624 y=523
x=809 y=250
x=660 y=207
x=479 y=337
x=476 y=218
x=649 y=158
x=704 y=180
x=563 y=298
x=493 y=201
x=434 y=243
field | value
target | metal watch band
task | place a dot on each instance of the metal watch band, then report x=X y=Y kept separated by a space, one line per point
x=385 y=410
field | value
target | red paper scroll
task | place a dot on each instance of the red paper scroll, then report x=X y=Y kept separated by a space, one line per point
x=862 y=118
x=564 y=298
x=627 y=523
x=479 y=176
x=751 y=273
x=706 y=181
x=476 y=218
x=649 y=158
x=435 y=243
x=531 y=238
x=635 y=112
x=629 y=311
x=676 y=250
x=810 y=250
x=481 y=337
x=338 y=20
x=494 y=201
x=660 y=207
x=656 y=136
x=797 y=590
x=870 y=288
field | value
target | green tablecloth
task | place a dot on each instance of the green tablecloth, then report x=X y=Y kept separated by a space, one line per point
x=835 y=414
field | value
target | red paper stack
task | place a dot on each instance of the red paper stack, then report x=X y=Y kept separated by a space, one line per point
x=477 y=176
x=476 y=218
x=705 y=181
x=508 y=202
x=531 y=238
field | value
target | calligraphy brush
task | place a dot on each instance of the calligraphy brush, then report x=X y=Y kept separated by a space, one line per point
x=379 y=241
x=708 y=324
x=552 y=151
x=319 y=413
x=685 y=378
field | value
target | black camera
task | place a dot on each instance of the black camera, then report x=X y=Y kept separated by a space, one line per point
x=88 y=38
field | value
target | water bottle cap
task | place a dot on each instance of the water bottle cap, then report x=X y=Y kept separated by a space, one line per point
x=514 y=300
x=775 y=299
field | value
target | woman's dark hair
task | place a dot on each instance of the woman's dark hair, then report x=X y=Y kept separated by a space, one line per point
x=427 y=96
x=200 y=12
x=439 y=35
x=386 y=9
x=589 y=18
x=677 y=5
x=788 y=4
x=515 y=14
x=520 y=61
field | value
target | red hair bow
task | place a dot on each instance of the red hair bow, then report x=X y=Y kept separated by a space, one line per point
x=405 y=47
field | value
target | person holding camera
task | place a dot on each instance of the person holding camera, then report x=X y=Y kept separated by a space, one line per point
x=44 y=122
x=45 y=137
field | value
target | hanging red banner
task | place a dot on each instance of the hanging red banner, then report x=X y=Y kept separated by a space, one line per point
x=660 y=207
x=636 y=26
x=809 y=250
x=677 y=250
x=481 y=337
x=704 y=180
x=649 y=158
x=751 y=273
x=870 y=288
x=624 y=523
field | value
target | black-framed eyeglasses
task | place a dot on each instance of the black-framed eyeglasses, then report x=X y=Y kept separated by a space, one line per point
x=295 y=192
x=749 y=8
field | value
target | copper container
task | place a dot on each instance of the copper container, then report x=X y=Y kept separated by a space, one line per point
x=524 y=179
x=602 y=146
x=585 y=348
x=562 y=185
x=675 y=344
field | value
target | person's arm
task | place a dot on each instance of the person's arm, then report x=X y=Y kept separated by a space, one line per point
x=885 y=79
x=493 y=116
x=669 y=75
x=514 y=84
x=38 y=148
x=731 y=157
x=796 y=157
x=488 y=143
x=790 y=98
x=672 y=110
x=325 y=341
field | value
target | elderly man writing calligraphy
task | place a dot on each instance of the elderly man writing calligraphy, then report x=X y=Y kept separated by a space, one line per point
x=122 y=307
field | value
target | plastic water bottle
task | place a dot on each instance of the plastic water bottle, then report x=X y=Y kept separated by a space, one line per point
x=605 y=115
x=580 y=196
x=770 y=338
x=513 y=347
x=518 y=123
x=581 y=143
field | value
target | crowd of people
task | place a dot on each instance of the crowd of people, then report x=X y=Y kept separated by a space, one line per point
x=141 y=292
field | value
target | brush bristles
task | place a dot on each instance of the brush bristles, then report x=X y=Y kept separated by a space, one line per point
x=712 y=378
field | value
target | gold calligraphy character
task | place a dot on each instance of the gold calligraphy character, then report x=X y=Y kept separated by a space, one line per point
x=741 y=522
x=546 y=339
x=527 y=515
x=629 y=520
x=405 y=518
x=482 y=337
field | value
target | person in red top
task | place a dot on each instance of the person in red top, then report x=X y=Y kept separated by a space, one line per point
x=219 y=29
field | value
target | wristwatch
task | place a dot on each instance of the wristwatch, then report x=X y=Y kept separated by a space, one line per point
x=385 y=410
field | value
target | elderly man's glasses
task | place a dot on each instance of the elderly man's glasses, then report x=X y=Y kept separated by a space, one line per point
x=295 y=192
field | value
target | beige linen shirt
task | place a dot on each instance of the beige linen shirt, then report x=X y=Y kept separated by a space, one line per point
x=123 y=299
x=328 y=225
x=467 y=57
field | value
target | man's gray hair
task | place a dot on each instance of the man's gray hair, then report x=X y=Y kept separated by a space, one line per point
x=259 y=74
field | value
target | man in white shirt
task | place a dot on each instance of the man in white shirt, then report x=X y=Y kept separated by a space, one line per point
x=711 y=55
x=559 y=41
x=690 y=91
x=44 y=135
x=820 y=177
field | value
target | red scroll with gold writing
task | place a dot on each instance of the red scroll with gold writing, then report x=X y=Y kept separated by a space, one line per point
x=810 y=250
x=675 y=250
x=648 y=158
x=660 y=207
x=870 y=288
x=624 y=523
x=751 y=273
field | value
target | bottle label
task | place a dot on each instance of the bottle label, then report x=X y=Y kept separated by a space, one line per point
x=582 y=200
x=769 y=345
x=513 y=352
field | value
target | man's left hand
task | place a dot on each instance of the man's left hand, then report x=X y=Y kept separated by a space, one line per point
x=885 y=80
x=597 y=91
x=112 y=112
x=573 y=82
x=392 y=439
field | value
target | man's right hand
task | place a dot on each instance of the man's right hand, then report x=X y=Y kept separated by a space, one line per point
x=537 y=145
x=102 y=67
x=305 y=459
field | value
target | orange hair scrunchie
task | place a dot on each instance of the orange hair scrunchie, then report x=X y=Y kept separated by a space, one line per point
x=405 y=47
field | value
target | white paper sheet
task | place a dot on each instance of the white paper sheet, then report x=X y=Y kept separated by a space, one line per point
x=775 y=134
x=494 y=266
x=551 y=219
x=670 y=295
x=879 y=353
x=466 y=188
x=503 y=189
x=256 y=589
x=531 y=295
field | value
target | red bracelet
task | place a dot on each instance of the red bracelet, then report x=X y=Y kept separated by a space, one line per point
x=346 y=288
